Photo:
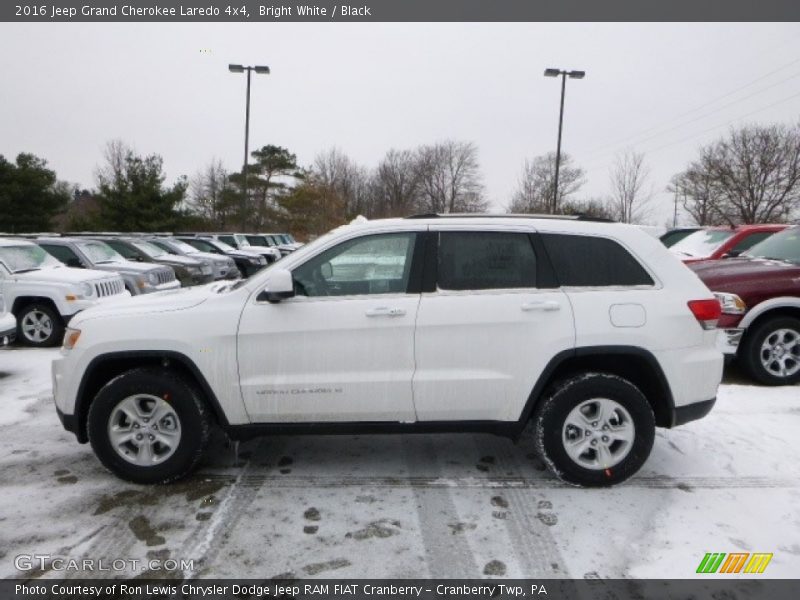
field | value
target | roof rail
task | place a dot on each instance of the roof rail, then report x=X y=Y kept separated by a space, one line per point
x=576 y=217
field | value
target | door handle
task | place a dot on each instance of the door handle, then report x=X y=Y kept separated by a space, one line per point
x=546 y=305
x=385 y=311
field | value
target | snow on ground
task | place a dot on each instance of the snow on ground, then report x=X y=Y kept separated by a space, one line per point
x=405 y=506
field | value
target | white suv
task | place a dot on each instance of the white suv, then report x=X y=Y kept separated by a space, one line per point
x=44 y=295
x=591 y=332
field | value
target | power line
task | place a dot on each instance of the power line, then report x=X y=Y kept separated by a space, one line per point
x=695 y=135
x=600 y=149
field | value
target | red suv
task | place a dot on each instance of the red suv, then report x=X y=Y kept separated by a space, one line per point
x=713 y=243
x=760 y=296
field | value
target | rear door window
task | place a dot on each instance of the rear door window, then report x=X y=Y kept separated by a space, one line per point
x=485 y=260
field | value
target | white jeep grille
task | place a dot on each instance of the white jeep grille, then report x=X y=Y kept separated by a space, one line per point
x=111 y=287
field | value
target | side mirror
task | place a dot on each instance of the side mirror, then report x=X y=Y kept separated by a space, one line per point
x=732 y=254
x=280 y=286
x=75 y=263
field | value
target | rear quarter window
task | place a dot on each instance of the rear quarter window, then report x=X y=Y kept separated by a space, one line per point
x=587 y=261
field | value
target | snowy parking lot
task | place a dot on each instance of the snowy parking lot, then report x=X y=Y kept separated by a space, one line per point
x=404 y=505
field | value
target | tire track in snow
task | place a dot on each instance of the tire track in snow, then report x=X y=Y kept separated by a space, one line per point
x=502 y=482
x=445 y=555
x=533 y=541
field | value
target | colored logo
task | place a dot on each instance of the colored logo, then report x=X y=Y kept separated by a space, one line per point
x=735 y=562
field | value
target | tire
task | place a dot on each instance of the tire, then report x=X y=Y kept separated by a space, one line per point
x=172 y=402
x=575 y=400
x=771 y=344
x=39 y=325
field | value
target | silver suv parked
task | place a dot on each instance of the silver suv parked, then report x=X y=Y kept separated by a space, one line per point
x=80 y=253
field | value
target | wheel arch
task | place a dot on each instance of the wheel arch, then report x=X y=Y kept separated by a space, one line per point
x=106 y=367
x=776 y=307
x=21 y=302
x=637 y=365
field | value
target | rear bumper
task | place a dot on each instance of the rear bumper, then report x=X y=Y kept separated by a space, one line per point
x=728 y=340
x=691 y=412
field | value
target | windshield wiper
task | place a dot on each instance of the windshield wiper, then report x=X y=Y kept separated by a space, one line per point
x=28 y=270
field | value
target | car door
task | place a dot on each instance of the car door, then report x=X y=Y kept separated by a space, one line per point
x=342 y=349
x=487 y=331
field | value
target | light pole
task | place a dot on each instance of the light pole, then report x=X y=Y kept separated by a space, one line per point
x=261 y=70
x=564 y=75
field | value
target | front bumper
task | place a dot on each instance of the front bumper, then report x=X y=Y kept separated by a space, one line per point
x=691 y=412
x=69 y=420
x=728 y=340
x=8 y=336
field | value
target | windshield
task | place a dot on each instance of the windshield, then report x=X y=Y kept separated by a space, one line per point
x=784 y=245
x=702 y=243
x=257 y=240
x=223 y=246
x=100 y=253
x=286 y=238
x=150 y=249
x=183 y=246
x=19 y=259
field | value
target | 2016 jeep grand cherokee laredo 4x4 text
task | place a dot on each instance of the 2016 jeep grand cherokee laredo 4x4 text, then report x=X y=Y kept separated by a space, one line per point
x=592 y=333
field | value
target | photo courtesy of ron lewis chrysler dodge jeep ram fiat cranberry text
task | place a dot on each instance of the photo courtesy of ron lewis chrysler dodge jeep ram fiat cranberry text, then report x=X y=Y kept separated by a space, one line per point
x=585 y=335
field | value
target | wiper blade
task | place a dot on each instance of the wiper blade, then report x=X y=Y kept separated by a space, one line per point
x=28 y=270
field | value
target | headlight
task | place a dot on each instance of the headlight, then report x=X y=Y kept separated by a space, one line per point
x=71 y=338
x=193 y=270
x=206 y=269
x=731 y=303
x=254 y=261
x=152 y=278
x=86 y=290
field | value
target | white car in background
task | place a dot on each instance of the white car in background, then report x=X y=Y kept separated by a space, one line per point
x=44 y=295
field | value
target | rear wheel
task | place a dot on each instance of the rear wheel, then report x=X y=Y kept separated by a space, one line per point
x=39 y=325
x=148 y=426
x=770 y=353
x=594 y=429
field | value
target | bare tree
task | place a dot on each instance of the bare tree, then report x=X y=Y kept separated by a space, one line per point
x=698 y=195
x=396 y=184
x=211 y=195
x=755 y=171
x=536 y=185
x=449 y=178
x=630 y=189
x=338 y=175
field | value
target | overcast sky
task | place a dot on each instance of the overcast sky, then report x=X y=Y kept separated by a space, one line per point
x=164 y=88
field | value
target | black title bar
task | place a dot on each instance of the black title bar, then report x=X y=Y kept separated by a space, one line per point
x=400 y=10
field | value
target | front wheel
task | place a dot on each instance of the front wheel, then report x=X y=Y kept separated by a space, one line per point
x=594 y=429
x=148 y=426
x=770 y=353
x=39 y=325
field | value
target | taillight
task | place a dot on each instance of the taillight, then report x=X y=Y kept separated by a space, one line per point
x=707 y=312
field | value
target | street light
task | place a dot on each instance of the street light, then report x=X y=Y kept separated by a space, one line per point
x=261 y=70
x=563 y=74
